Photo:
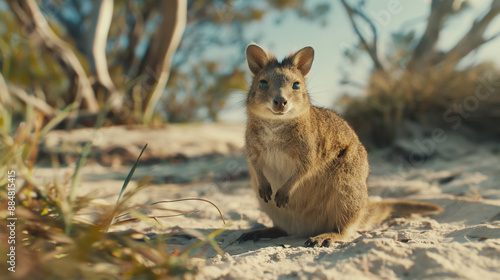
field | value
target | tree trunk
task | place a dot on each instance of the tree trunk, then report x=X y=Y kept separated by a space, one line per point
x=426 y=51
x=158 y=59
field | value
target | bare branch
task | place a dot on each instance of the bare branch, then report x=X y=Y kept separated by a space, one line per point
x=474 y=38
x=31 y=99
x=370 y=48
x=425 y=50
x=100 y=29
x=4 y=92
x=30 y=17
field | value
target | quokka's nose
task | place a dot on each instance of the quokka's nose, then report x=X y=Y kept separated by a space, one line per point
x=279 y=102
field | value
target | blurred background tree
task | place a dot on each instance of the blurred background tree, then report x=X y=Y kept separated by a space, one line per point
x=416 y=80
x=121 y=53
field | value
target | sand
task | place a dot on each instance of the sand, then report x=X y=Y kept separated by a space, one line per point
x=205 y=161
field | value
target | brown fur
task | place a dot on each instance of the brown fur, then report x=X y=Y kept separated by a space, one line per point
x=307 y=158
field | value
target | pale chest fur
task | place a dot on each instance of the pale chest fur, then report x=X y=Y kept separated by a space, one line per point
x=276 y=164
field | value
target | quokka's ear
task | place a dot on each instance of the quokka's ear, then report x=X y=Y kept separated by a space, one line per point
x=257 y=58
x=303 y=59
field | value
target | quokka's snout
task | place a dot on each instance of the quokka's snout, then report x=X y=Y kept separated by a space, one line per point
x=279 y=104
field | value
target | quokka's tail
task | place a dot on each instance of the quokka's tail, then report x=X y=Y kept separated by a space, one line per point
x=380 y=211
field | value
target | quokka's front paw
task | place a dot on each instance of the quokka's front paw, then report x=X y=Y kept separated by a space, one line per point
x=282 y=197
x=265 y=192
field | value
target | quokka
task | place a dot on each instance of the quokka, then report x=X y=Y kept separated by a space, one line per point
x=307 y=165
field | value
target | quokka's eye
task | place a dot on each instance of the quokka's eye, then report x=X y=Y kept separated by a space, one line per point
x=263 y=84
x=296 y=86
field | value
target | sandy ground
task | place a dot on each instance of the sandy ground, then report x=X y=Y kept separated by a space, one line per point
x=205 y=161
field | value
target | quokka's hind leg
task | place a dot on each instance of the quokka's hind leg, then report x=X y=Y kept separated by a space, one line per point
x=345 y=223
x=324 y=239
x=257 y=234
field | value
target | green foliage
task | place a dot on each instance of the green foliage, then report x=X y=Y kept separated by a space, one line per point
x=24 y=65
x=200 y=91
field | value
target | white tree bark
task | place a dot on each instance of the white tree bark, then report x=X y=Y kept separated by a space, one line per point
x=4 y=92
x=101 y=24
x=100 y=30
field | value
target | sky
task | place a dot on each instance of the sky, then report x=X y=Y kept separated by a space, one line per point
x=329 y=41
